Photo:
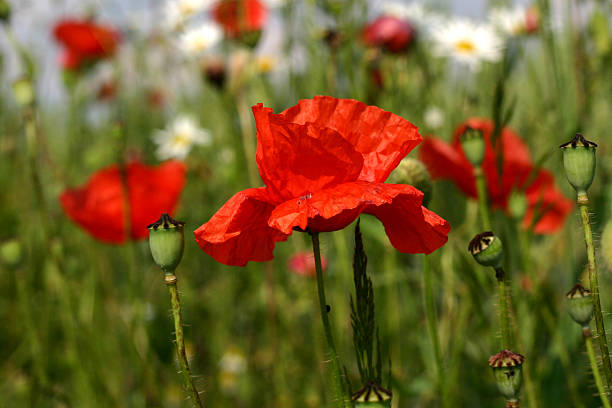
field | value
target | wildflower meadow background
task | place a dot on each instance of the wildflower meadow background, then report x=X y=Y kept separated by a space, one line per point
x=384 y=203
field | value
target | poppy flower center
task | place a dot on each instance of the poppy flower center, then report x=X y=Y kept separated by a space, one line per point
x=465 y=46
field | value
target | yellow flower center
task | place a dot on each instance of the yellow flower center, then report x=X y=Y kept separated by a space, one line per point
x=181 y=140
x=265 y=64
x=465 y=46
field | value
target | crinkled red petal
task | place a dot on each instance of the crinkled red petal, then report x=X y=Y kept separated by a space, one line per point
x=410 y=227
x=295 y=160
x=382 y=138
x=239 y=231
x=86 y=38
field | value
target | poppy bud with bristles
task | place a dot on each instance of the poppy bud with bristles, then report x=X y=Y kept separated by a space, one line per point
x=487 y=249
x=372 y=396
x=580 y=303
x=473 y=146
x=507 y=367
x=166 y=241
x=579 y=162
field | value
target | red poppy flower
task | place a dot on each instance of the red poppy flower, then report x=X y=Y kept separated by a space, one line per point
x=390 y=33
x=238 y=17
x=446 y=161
x=324 y=162
x=98 y=206
x=303 y=264
x=532 y=20
x=85 y=41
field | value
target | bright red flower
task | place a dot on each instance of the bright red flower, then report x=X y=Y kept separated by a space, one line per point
x=238 y=17
x=390 y=33
x=98 y=206
x=324 y=162
x=303 y=264
x=85 y=41
x=446 y=161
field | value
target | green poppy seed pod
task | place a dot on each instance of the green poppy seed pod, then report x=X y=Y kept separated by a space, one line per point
x=372 y=396
x=507 y=368
x=413 y=172
x=5 y=11
x=487 y=249
x=473 y=145
x=166 y=241
x=579 y=163
x=23 y=91
x=580 y=303
x=11 y=253
x=517 y=205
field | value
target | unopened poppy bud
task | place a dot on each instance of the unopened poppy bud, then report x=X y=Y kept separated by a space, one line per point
x=507 y=367
x=166 y=241
x=371 y=396
x=23 y=90
x=11 y=253
x=579 y=162
x=487 y=249
x=580 y=303
x=5 y=11
x=413 y=172
x=517 y=205
x=473 y=146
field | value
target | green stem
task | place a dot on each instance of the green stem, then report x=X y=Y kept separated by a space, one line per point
x=481 y=188
x=248 y=138
x=333 y=354
x=599 y=321
x=432 y=324
x=170 y=280
x=596 y=375
x=503 y=309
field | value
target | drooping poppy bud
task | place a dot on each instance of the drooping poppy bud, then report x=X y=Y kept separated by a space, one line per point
x=473 y=145
x=372 y=396
x=23 y=91
x=166 y=241
x=413 y=172
x=579 y=163
x=507 y=367
x=487 y=249
x=580 y=302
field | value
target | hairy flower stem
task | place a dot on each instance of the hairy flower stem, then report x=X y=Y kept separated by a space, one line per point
x=432 y=324
x=588 y=341
x=483 y=208
x=583 y=201
x=333 y=354
x=503 y=309
x=170 y=280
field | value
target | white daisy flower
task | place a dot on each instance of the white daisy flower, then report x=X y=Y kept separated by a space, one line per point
x=176 y=141
x=178 y=12
x=467 y=43
x=509 y=21
x=196 y=41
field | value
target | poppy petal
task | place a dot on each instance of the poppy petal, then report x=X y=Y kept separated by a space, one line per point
x=295 y=160
x=152 y=191
x=239 y=231
x=410 y=227
x=98 y=207
x=86 y=38
x=382 y=137
x=547 y=203
x=445 y=162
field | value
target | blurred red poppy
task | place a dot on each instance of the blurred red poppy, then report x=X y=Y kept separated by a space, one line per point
x=532 y=20
x=324 y=162
x=446 y=161
x=303 y=264
x=99 y=206
x=390 y=33
x=85 y=41
x=239 y=17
